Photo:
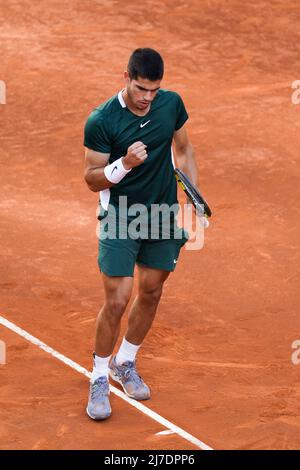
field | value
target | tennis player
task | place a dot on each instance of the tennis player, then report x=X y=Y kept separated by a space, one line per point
x=128 y=153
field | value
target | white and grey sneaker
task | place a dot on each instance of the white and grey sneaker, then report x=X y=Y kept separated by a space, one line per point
x=98 y=407
x=127 y=375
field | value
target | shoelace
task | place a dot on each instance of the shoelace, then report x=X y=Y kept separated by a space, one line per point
x=131 y=373
x=99 y=388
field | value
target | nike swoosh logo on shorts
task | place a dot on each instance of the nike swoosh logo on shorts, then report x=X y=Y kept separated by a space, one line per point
x=115 y=168
x=145 y=123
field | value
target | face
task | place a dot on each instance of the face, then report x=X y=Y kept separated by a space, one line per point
x=142 y=91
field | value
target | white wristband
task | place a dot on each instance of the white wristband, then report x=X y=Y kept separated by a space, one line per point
x=115 y=172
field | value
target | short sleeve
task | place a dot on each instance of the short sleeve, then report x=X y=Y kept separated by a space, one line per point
x=181 y=116
x=96 y=134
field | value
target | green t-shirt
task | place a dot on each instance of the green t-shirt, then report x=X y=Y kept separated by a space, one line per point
x=112 y=128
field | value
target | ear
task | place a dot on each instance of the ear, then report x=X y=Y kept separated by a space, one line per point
x=126 y=77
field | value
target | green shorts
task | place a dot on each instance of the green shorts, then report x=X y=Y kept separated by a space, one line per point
x=117 y=257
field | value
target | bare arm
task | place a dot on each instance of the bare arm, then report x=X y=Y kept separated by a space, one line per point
x=95 y=162
x=94 y=170
x=185 y=156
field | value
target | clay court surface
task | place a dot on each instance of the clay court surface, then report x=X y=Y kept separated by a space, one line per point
x=218 y=358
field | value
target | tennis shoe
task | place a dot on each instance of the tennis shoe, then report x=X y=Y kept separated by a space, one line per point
x=127 y=375
x=98 y=407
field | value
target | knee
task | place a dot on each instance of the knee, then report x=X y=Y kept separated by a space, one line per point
x=151 y=294
x=115 y=308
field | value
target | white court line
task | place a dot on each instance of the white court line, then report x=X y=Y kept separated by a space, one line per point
x=164 y=433
x=144 y=409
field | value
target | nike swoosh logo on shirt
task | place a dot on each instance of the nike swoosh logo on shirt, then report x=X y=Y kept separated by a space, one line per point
x=144 y=124
x=115 y=168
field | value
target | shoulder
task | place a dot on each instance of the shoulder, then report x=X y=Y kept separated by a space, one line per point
x=169 y=100
x=104 y=112
x=169 y=95
x=173 y=103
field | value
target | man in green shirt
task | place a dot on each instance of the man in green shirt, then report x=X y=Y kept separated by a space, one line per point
x=128 y=141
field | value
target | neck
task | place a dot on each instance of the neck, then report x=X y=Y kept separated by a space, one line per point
x=130 y=105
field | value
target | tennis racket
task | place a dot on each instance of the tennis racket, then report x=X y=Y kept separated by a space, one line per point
x=198 y=201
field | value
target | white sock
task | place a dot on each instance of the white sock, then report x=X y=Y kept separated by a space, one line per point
x=127 y=352
x=100 y=368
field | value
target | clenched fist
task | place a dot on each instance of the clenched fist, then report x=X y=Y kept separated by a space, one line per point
x=136 y=155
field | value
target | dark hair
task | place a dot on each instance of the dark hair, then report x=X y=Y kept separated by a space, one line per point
x=146 y=63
